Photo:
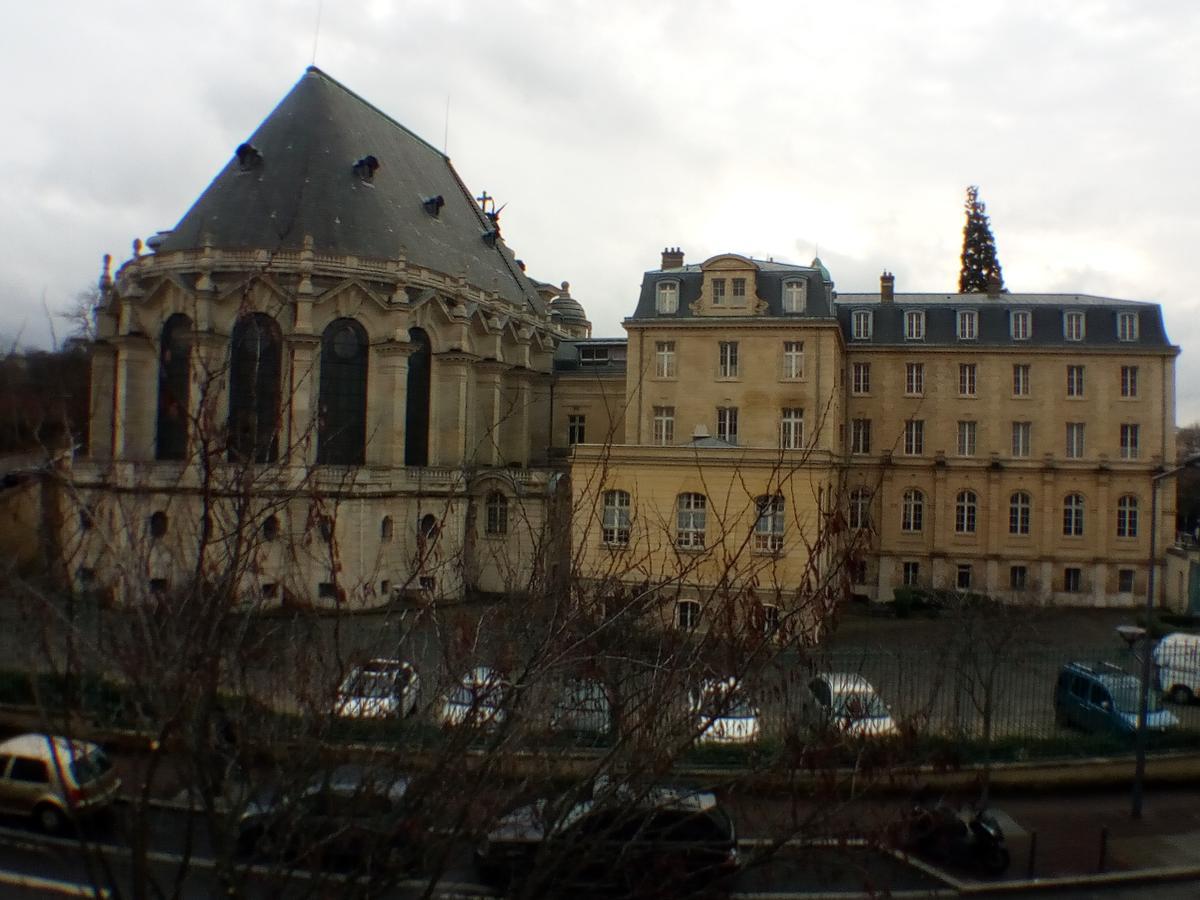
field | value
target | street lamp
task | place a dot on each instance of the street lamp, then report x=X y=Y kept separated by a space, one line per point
x=1139 y=770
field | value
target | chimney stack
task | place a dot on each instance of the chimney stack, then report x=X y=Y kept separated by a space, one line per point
x=672 y=258
x=887 y=287
x=993 y=285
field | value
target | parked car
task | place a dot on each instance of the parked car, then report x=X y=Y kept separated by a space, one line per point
x=1102 y=697
x=477 y=700
x=1177 y=658
x=723 y=713
x=54 y=779
x=582 y=705
x=848 y=702
x=378 y=688
x=347 y=817
x=636 y=842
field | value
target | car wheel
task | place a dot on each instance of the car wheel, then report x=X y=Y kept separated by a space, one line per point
x=50 y=819
x=1180 y=694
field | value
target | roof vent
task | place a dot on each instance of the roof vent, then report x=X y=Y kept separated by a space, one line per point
x=489 y=237
x=248 y=157
x=366 y=168
x=700 y=431
x=433 y=205
x=155 y=240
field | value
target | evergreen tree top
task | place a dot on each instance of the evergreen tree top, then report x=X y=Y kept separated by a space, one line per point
x=980 y=269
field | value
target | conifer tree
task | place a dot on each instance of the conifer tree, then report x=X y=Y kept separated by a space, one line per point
x=979 y=262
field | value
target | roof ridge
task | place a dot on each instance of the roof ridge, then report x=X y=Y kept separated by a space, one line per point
x=314 y=70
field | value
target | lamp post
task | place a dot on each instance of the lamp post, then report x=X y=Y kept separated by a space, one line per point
x=1139 y=770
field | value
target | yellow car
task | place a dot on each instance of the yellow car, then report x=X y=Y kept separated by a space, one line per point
x=54 y=780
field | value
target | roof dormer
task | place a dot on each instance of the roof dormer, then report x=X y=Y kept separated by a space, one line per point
x=729 y=287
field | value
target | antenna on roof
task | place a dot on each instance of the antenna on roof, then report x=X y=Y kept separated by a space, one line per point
x=317 y=31
x=446 y=130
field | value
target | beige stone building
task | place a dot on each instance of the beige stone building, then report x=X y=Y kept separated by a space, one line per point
x=334 y=372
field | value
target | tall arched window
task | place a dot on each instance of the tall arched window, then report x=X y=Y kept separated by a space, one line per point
x=1020 y=507
x=497 y=513
x=966 y=505
x=615 y=523
x=860 y=508
x=254 y=389
x=171 y=430
x=1127 y=516
x=691 y=513
x=1073 y=515
x=912 y=511
x=416 y=417
x=342 y=416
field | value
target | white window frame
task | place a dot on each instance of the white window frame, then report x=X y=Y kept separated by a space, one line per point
x=496 y=507
x=1129 y=440
x=967 y=327
x=914 y=379
x=1127 y=516
x=793 y=360
x=1129 y=382
x=769 y=525
x=912 y=511
x=615 y=518
x=1072 y=579
x=862 y=324
x=576 y=429
x=727 y=359
x=727 y=424
x=664 y=359
x=1074 y=509
x=860 y=379
x=687 y=614
x=914 y=437
x=1020 y=513
x=791 y=428
x=666 y=297
x=738 y=287
x=664 y=425
x=966 y=512
x=860 y=508
x=1076 y=383
x=1127 y=326
x=967 y=379
x=1074 y=325
x=967 y=433
x=912 y=573
x=691 y=520
x=1022 y=440
x=718 y=291
x=1022 y=379
x=914 y=324
x=963 y=569
x=860 y=436
x=795 y=296
x=1076 y=447
x=1020 y=324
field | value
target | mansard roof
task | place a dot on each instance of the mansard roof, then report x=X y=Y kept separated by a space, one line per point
x=769 y=278
x=310 y=172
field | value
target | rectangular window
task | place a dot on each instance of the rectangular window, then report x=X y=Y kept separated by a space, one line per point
x=576 y=429
x=791 y=428
x=963 y=581
x=793 y=359
x=1018 y=578
x=1074 y=440
x=718 y=291
x=727 y=423
x=593 y=356
x=968 y=324
x=768 y=528
x=912 y=573
x=966 y=379
x=667 y=297
x=1074 y=381
x=664 y=359
x=1129 y=441
x=728 y=359
x=794 y=296
x=914 y=379
x=664 y=425
x=1019 y=324
x=966 y=438
x=914 y=437
x=1073 y=326
x=1072 y=580
x=1127 y=326
x=914 y=325
x=691 y=513
x=861 y=381
x=739 y=287
x=1129 y=385
x=861 y=321
x=1125 y=581
x=615 y=524
x=860 y=436
x=1021 y=380
x=1021 y=439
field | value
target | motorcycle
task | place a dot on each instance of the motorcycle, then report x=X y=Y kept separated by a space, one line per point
x=944 y=834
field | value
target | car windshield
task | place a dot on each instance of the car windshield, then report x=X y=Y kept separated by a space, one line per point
x=370 y=684
x=1125 y=695
x=85 y=769
x=860 y=705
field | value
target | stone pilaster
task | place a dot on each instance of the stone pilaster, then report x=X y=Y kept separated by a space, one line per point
x=103 y=394
x=136 y=398
x=387 y=410
x=300 y=424
x=490 y=415
x=450 y=416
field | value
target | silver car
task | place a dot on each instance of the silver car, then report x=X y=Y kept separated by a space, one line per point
x=723 y=714
x=850 y=704
x=477 y=700
x=379 y=688
x=54 y=779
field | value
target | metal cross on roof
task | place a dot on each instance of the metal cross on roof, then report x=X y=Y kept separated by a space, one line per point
x=484 y=199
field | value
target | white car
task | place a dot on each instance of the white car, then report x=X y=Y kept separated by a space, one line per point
x=379 y=688
x=478 y=699
x=1177 y=657
x=851 y=705
x=723 y=714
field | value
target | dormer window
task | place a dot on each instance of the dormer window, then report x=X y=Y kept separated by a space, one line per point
x=718 y=291
x=1019 y=325
x=968 y=324
x=248 y=157
x=1073 y=326
x=861 y=322
x=794 y=296
x=914 y=325
x=366 y=168
x=667 y=297
x=1127 y=326
x=739 y=287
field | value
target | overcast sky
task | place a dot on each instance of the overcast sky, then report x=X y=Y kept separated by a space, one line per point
x=614 y=129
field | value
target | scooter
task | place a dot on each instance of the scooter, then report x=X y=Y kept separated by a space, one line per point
x=943 y=834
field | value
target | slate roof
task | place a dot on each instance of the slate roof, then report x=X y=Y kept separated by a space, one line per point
x=769 y=281
x=305 y=184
